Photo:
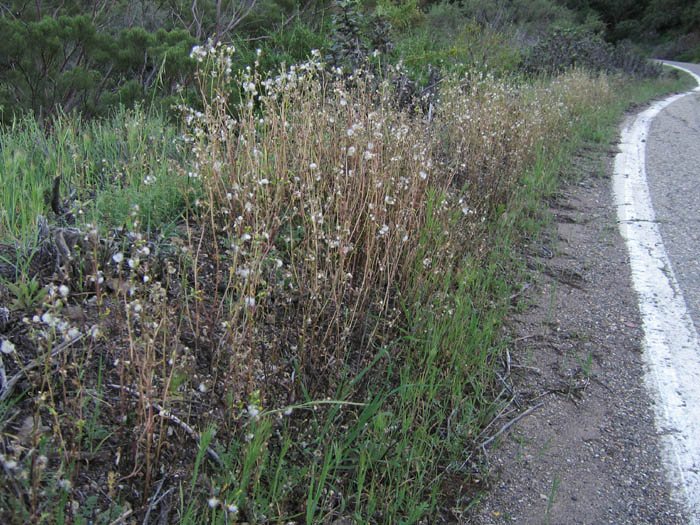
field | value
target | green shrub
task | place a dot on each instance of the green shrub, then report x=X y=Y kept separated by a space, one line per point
x=566 y=48
x=690 y=56
x=402 y=15
x=65 y=64
x=450 y=41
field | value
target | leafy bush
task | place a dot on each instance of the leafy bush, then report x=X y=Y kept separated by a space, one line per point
x=690 y=56
x=533 y=16
x=685 y=48
x=627 y=59
x=402 y=15
x=65 y=64
x=356 y=35
x=565 y=48
x=449 y=41
x=91 y=57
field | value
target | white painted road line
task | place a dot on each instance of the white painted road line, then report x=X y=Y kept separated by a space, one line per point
x=671 y=344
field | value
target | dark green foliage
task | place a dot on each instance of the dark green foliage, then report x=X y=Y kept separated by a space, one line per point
x=575 y=47
x=403 y=15
x=65 y=63
x=672 y=26
x=92 y=56
x=618 y=16
x=349 y=46
x=294 y=44
x=532 y=15
x=626 y=58
x=673 y=16
x=357 y=34
x=89 y=57
x=380 y=33
x=692 y=55
x=50 y=62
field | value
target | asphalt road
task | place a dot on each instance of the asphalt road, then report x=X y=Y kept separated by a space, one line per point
x=657 y=193
x=673 y=176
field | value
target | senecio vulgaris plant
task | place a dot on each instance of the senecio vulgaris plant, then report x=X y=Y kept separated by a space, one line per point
x=315 y=195
x=327 y=213
x=265 y=331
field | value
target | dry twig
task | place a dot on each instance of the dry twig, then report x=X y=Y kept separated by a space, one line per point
x=170 y=417
x=508 y=425
x=35 y=363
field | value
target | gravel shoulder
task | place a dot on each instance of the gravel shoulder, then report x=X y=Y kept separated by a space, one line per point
x=590 y=453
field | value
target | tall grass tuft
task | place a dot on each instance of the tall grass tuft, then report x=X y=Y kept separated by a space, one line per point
x=104 y=168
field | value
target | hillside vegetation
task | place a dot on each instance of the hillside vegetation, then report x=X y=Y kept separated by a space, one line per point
x=667 y=28
x=257 y=256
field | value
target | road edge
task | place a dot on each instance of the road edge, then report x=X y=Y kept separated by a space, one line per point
x=670 y=338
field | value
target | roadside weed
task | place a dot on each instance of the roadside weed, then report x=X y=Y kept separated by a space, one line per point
x=27 y=294
x=552 y=495
x=287 y=309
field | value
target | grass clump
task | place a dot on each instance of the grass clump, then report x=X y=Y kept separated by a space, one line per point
x=315 y=338
x=97 y=169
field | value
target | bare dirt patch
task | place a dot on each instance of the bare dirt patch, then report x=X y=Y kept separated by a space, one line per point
x=590 y=453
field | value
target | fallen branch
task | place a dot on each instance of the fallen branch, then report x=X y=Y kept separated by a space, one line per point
x=509 y=389
x=34 y=364
x=170 y=417
x=531 y=368
x=122 y=518
x=153 y=500
x=523 y=338
x=3 y=376
x=503 y=410
x=519 y=292
x=508 y=425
